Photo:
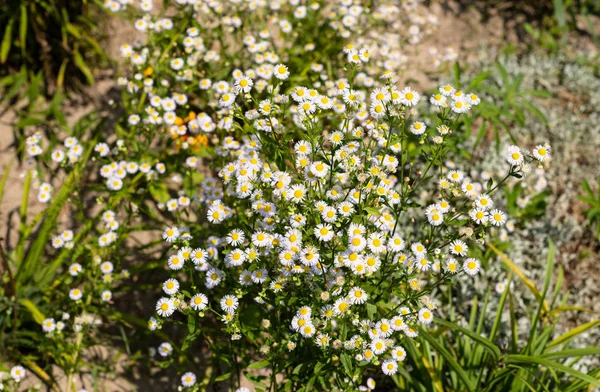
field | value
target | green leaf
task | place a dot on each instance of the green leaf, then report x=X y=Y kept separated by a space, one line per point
x=477 y=80
x=531 y=360
x=23 y=28
x=457 y=74
x=318 y=367
x=575 y=352
x=533 y=109
x=547 y=279
x=60 y=78
x=223 y=377
x=31 y=263
x=159 y=192
x=297 y=369
x=513 y=268
x=23 y=218
x=500 y=310
x=574 y=332
x=373 y=211
x=259 y=365
x=489 y=346
x=460 y=372
x=30 y=121
x=83 y=67
x=7 y=40
x=35 y=312
x=3 y=182
x=371 y=310
x=347 y=363
x=191 y=323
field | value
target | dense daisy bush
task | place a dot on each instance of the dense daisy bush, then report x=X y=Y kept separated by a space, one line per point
x=329 y=213
x=304 y=209
x=334 y=228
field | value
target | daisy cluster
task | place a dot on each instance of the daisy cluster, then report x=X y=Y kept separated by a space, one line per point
x=13 y=378
x=326 y=204
x=180 y=80
x=74 y=149
x=317 y=201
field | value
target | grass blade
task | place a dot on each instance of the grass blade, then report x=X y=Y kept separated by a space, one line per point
x=23 y=29
x=460 y=372
x=513 y=268
x=539 y=361
x=575 y=352
x=574 y=332
x=6 y=41
x=547 y=279
x=35 y=312
x=3 y=182
x=489 y=346
x=23 y=219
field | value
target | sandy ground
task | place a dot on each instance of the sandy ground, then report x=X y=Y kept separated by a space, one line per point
x=459 y=27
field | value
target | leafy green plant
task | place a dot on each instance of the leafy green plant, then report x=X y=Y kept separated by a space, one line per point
x=506 y=103
x=467 y=354
x=552 y=32
x=53 y=38
x=41 y=324
x=593 y=212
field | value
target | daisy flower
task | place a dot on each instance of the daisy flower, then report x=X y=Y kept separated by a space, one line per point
x=106 y=295
x=281 y=72
x=171 y=286
x=324 y=232
x=378 y=346
x=541 y=152
x=409 y=97
x=229 y=303
x=165 y=307
x=308 y=330
x=340 y=306
x=425 y=316
x=198 y=256
x=459 y=248
x=438 y=100
x=243 y=84
x=188 y=379
x=297 y=193
x=479 y=216
x=18 y=373
x=500 y=287
x=484 y=202
x=376 y=243
x=170 y=234
x=75 y=294
x=514 y=155
x=199 y=302
x=165 y=349
x=322 y=340
x=75 y=269
x=259 y=276
x=452 y=265
x=399 y=353
x=447 y=90
x=497 y=217
x=460 y=106
x=48 y=325
x=357 y=296
x=435 y=218
x=471 y=266
x=175 y=262
x=418 y=128
x=319 y=169
x=389 y=367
